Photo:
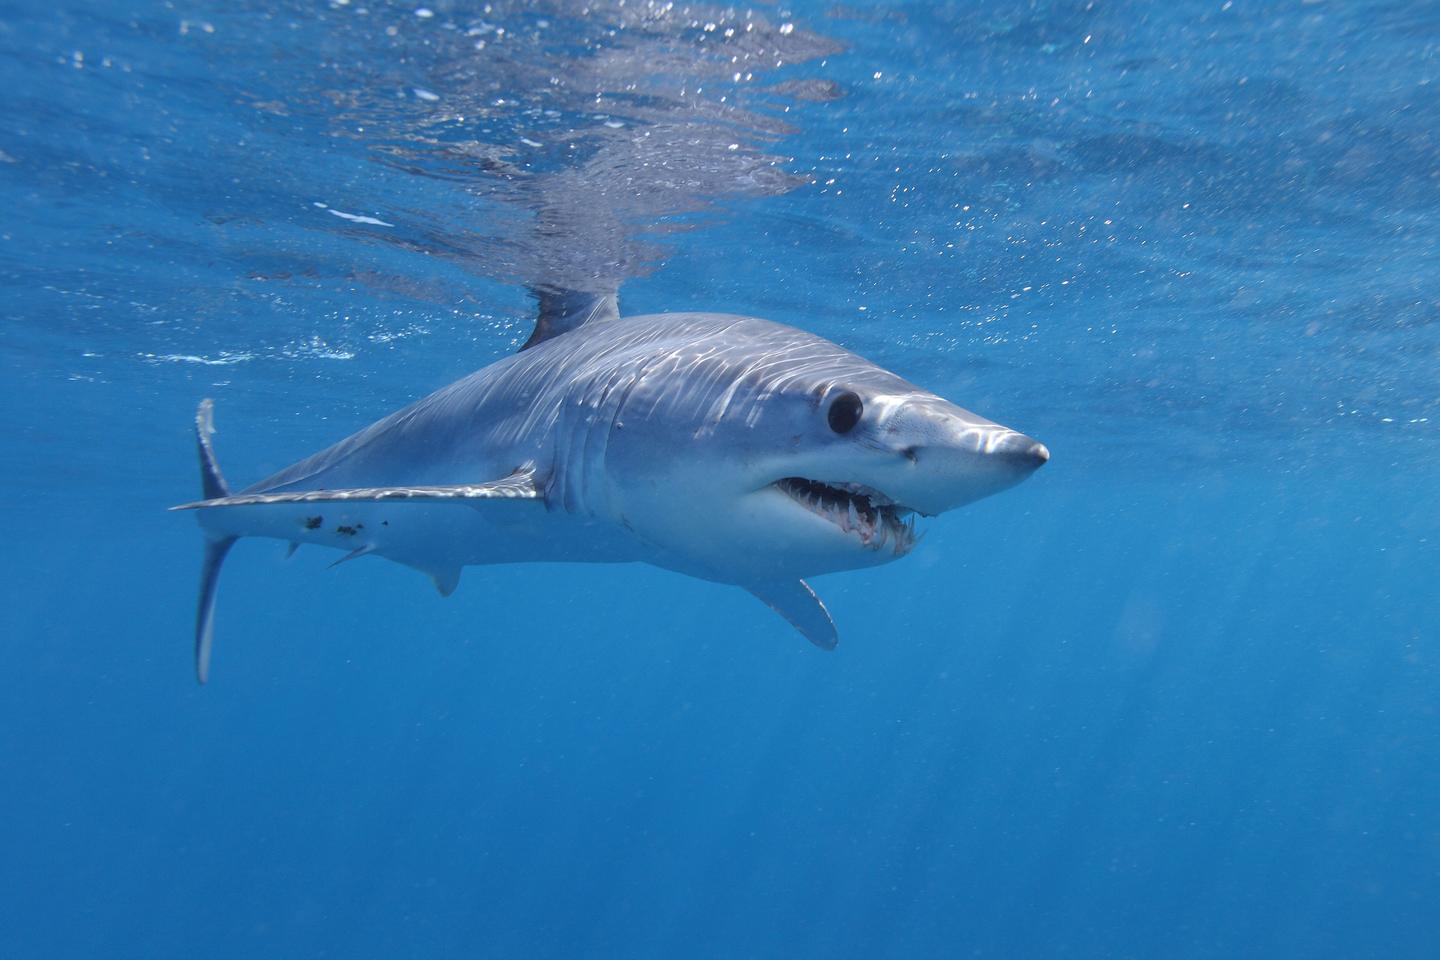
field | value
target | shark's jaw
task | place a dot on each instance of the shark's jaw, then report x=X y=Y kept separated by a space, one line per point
x=873 y=519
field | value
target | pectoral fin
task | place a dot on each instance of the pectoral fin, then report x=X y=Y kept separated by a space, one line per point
x=797 y=603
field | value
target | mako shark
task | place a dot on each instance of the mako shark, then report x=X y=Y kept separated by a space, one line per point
x=728 y=448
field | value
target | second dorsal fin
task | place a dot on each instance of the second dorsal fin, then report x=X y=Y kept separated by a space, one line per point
x=560 y=311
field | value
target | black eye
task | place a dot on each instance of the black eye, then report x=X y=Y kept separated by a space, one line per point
x=845 y=411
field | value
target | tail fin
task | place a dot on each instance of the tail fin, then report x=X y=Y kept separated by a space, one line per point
x=213 y=485
x=215 y=551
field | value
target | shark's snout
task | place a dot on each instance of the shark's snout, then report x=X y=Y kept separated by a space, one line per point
x=956 y=457
x=1021 y=452
x=942 y=430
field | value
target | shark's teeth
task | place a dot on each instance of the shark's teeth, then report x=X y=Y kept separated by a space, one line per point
x=856 y=509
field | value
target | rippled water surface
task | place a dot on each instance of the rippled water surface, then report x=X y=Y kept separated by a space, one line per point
x=1173 y=697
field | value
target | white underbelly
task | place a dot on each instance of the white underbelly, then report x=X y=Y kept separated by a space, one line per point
x=434 y=535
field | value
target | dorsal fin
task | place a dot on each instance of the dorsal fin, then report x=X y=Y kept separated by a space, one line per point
x=560 y=311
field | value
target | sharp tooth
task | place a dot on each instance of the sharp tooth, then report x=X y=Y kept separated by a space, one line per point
x=854 y=518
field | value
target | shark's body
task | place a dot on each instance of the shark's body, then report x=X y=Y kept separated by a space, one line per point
x=728 y=448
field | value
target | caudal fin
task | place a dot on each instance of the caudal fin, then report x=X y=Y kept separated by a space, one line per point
x=212 y=485
x=215 y=551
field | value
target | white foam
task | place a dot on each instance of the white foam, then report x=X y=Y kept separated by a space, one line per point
x=358 y=218
x=223 y=360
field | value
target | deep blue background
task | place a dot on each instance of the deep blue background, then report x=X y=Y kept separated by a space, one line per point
x=1173 y=697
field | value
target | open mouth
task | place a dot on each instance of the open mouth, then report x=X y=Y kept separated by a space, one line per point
x=856 y=509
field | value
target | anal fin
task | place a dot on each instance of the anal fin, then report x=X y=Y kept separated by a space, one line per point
x=446 y=579
x=797 y=603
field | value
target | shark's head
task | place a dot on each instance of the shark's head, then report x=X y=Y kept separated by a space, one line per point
x=791 y=457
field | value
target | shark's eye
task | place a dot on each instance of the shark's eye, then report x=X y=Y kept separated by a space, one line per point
x=845 y=411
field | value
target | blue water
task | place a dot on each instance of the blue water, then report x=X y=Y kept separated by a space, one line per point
x=1173 y=697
